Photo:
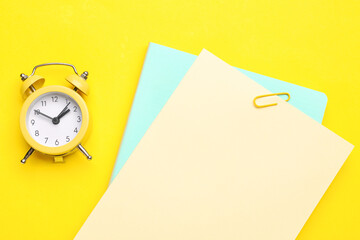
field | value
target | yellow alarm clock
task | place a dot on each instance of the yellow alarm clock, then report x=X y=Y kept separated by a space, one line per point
x=54 y=119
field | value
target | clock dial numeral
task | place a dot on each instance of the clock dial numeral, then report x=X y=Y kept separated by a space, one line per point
x=67 y=139
x=78 y=119
x=32 y=122
x=55 y=98
x=57 y=142
x=37 y=111
x=76 y=130
x=37 y=133
x=75 y=108
x=46 y=139
x=43 y=103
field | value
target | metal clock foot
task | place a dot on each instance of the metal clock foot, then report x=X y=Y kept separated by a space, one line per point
x=82 y=149
x=27 y=155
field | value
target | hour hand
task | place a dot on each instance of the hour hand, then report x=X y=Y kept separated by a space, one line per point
x=62 y=111
x=38 y=112
x=63 y=114
x=56 y=120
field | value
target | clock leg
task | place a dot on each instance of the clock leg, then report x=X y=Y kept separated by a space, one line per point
x=82 y=149
x=27 y=155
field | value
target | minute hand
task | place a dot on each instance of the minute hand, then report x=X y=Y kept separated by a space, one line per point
x=38 y=112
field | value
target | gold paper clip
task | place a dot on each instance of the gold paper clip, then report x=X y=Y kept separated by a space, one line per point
x=268 y=95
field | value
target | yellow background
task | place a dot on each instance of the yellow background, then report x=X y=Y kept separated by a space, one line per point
x=311 y=43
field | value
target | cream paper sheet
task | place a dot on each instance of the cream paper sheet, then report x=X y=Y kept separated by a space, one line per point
x=212 y=166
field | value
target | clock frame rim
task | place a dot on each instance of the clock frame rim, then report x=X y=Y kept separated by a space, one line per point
x=64 y=149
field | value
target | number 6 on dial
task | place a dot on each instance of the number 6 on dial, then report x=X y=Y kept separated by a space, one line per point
x=54 y=119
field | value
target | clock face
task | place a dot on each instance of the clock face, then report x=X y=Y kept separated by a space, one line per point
x=53 y=119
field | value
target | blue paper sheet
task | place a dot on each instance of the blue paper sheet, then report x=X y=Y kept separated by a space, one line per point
x=163 y=70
